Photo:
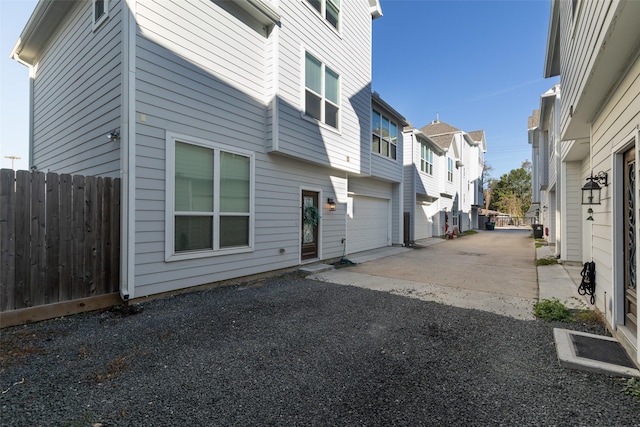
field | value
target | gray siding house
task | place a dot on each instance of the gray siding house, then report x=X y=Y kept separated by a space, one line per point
x=594 y=47
x=242 y=130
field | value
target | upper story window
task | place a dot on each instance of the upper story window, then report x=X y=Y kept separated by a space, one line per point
x=449 y=169
x=322 y=91
x=330 y=9
x=209 y=203
x=384 y=136
x=100 y=11
x=426 y=159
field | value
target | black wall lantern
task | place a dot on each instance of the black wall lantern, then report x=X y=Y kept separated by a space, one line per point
x=591 y=190
x=331 y=203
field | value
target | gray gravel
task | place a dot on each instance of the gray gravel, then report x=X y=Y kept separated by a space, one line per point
x=291 y=351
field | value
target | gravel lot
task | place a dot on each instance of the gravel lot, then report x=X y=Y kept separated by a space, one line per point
x=291 y=351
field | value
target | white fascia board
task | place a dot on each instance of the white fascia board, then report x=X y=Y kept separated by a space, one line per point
x=546 y=102
x=44 y=20
x=552 y=55
x=375 y=9
x=262 y=10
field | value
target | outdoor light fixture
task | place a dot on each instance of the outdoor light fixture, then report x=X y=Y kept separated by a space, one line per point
x=591 y=190
x=332 y=204
x=114 y=135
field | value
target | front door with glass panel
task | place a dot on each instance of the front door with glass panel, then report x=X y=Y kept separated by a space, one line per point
x=630 y=293
x=310 y=217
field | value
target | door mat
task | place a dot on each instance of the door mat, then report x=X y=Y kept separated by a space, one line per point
x=601 y=350
x=594 y=353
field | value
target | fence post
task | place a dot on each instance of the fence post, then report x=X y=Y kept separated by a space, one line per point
x=7 y=239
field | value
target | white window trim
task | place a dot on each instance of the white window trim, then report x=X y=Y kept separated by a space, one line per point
x=398 y=130
x=303 y=100
x=322 y=15
x=430 y=173
x=450 y=171
x=103 y=18
x=170 y=254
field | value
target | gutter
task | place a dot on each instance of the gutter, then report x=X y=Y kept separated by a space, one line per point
x=127 y=152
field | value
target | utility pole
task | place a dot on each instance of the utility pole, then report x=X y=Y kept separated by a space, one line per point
x=13 y=159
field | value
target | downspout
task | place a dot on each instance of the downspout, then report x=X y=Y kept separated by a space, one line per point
x=32 y=77
x=414 y=178
x=127 y=157
x=32 y=81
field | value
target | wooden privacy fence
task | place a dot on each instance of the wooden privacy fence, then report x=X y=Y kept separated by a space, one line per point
x=59 y=238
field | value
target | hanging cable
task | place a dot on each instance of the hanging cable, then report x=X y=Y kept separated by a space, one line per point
x=588 y=284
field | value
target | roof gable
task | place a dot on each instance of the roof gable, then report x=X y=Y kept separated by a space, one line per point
x=443 y=141
x=438 y=128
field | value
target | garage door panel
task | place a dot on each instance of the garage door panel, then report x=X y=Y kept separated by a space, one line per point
x=367 y=224
x=423 y=222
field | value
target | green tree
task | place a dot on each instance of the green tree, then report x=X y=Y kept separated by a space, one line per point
x=486 y=184
x=511 y=194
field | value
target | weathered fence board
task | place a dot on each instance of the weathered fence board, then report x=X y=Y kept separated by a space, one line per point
x=7 y=238
x=59 y=238
x=22 y=211
x=52 y=279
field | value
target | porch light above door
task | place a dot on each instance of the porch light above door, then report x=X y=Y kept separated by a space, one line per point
x=591 y=190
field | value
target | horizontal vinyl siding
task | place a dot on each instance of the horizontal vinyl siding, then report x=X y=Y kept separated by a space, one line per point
x=370 y=188
x=387 y=168
x=77 y=96
x=616 y=125
x=210 y=83
x=349 y=55
x=580 y=46
x=573 y=212
x=184 y=86
x=428 y=185
x=277 y=226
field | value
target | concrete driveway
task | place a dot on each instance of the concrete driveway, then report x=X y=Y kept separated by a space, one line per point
x=492 y=271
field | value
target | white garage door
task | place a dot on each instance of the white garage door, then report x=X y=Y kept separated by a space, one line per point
x=423 y=224
x=367 y=223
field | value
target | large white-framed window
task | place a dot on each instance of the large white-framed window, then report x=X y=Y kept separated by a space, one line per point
x=210 y=198
x=426 y=159
x=100 y=12
x=329 y=9
x=322 y=91
x=384 y=138
x=449 y=169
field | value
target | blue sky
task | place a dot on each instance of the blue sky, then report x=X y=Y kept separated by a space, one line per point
x=14 y=85
x=477 y=64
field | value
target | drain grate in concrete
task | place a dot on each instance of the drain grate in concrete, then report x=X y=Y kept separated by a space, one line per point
x=601 y=350
x=470 y=254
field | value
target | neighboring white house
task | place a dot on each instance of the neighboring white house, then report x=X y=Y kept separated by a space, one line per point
x=424 y=168
x=595 y=49
x=546 y=180
x=232 y=123
x=461 y=184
